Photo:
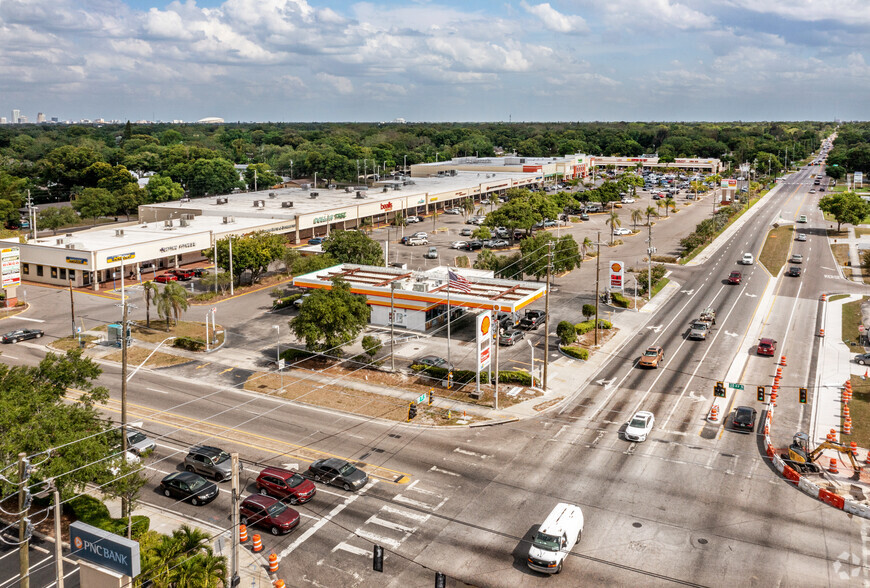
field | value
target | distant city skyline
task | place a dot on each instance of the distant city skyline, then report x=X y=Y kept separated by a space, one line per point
x=325 y=60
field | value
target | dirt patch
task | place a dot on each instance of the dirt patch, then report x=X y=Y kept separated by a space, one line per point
x=68 y=343
x=852 y=318
x=841 y=253
x=588 y=340
x=548 y=404
x=776 y=247
x=860 y=412
x=136 y=355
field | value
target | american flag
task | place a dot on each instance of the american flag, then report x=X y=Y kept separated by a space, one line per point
x=458 y=282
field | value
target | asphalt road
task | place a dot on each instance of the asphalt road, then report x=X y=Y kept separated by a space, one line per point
x=695 y=504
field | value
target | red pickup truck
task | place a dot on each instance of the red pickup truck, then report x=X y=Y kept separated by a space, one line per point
x=183 y=274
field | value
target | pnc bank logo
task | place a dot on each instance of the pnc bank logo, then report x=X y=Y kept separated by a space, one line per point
x=78 y=543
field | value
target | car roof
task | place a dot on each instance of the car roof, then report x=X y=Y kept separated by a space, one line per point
x=643 y=414
x=767 y=341
x=280 y=472
x=334 y=462
x=259 y=499
x=745 y=409
x=206 y=450
x=184 y=476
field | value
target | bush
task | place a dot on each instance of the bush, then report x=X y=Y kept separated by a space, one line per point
x=205 y=296
x=189 y=343
x=292 y=355
x=617 y=299
x=658 y=272
x=285 y=301
x=586 y=326
x=512 y=377
x=588 y=311
x=566 y=332
x=461 y=377
x=91 y=511
x=371 y=345
x=576 y=352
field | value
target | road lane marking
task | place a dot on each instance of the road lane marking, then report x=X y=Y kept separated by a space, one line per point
x=377 y=539
x=156 y=390
x=203 y=365
x=376 y=520
x=471 y=453
x=24 y=318
x=403 y=512
x=411 y=502
x=226 y=370
x=440 y=471
x=352 y=549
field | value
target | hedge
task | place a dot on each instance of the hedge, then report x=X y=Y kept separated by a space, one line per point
x=577 y=352
x=617 y=299
x=292 y=354
x=465 y=376
x=189 y=343
x=586 y=326
x=91 y=511
x=566 y=332
x=284 y=302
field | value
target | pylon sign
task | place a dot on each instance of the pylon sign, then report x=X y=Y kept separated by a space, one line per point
x=617 y=275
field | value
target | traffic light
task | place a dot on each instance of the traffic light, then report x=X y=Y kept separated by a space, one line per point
x=449 y=380
x=431 y=396
x=440 y=580
x=377 y=558
x=802 y=395
x=760 y=394
x=719 y=389
x=412 y=410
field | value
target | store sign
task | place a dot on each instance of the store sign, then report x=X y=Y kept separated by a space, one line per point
x=120 y=257
x=179 y=247
x=484 y=340
x=617 y=275
x=329 y=217
x=386 y=206
x=105 y=549
x=11 y=262
x=76 y=260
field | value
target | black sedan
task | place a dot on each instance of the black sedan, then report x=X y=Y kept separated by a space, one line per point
x=190 y=487
x=793 y=271
x=474 y=245
x=744 y=418
x=21 y=335
x=338 y=472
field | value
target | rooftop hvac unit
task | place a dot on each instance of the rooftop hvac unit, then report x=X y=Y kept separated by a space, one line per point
x=167 y=223
x=60 y=241
x=313 y=195
x=259 y=203
x=185 y=199
x=119 y=232
x=421 y=286
x=221 y=201
x=287 y=204
x=360 y=194
x=273 y=195
x=188 y=216
x=184 y=223
x=229 y=219
x=72 y=245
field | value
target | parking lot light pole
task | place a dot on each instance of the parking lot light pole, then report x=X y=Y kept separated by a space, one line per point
x=278 y=352
x=532 y=368
x=392 y=321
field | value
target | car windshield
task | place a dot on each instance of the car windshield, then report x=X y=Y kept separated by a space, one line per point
x=700 y=326
x=136 y=437
x=276 y=509
x=650 y=353
x=548 y=542
x=221 y=457
x=197 y=483
x=295 y=480
x=346 y=470
x=637 y=423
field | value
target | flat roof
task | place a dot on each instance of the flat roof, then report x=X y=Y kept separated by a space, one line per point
x=242 y=204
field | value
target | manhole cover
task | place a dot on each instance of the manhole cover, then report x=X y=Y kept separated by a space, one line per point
x=702 y=541
x=637 y=525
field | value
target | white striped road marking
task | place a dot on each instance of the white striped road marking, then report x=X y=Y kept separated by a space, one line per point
x=5 y=356
x=24 y=318
x=316 y=526
x=440 y=471
x=559 y=432
x=411 y=502
x=412 y=485
x=473 y=454
x=156 y=390
x=352 y=549
x=377 y=539
x=375 y=520
x=402 y=512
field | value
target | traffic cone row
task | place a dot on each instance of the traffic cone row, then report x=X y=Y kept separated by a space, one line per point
x=778 y=372
x=782 y=361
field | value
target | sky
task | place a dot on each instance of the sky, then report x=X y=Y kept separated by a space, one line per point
x=429 y=60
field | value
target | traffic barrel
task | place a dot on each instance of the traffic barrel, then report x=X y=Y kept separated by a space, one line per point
x=258 y=545
x=243 y=533
x=833 y=469
x=273 y=563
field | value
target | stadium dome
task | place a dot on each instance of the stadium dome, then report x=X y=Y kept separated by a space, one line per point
x=211 y=119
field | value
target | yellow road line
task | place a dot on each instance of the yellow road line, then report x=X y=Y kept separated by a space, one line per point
x=203 y=365
x=226 y=370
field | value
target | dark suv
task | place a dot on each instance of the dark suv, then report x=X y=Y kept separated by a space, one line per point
x=744 y=418
x=268 y=512
x=287 y=484
x=210 y=461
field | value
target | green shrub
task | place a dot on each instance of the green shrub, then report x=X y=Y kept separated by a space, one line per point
x=91 y=511
x=204 y=297
x=617 y=299
x=586 y=326
x=292 y=354
x=588 y=311
x=371 y=345
x=566 y=332
x=512 y=377
x=189 y=343
x=576 y=352
x=285 y=301
x=461 y=377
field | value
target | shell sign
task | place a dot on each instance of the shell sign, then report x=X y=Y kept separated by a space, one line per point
x=484 y=326
x=617 y=275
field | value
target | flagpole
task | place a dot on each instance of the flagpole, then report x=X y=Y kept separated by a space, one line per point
x=448 y=322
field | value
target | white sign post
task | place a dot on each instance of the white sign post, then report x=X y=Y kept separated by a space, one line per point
x=484 y=344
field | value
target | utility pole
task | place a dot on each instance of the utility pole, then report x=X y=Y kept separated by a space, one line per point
x=72 y=308
x=234 y=530
x=124 y=505
x=392 y=320
x=597 y=277
x=255 y=179
x=58 y=544
x=497 y=338
x=23 y=523
x=547 y=316
x=232 y=279
x=649 y=252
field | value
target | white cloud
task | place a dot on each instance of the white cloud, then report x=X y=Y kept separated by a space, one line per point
x=554 y=20
x=339 y=84
x=850 y=12
x=650 y=15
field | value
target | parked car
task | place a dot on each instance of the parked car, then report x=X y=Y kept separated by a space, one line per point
x=166 y=278
x=285 y=484
x=511 y=337
x=793 y=272
x=628 y=200
x=417 y=241
x=506 y=320
x=485 y=201
x=474 y=245
x=453 y=211
x=622 y=231
x=21 y=335
x=433 y=361
x=651 y=357
x=209 y=461
x=183 y=274
x=744 y=418
x=498 y=243
x=269 y=513
x=533 y=319
x=190 y=487
x=414 y=219
x=863 y=359
x=639 y=426
x=766 y=347
x=459 y=245
x=584 y=217
x=420 y=235
x=338 y=472
x=735 y=278
x=316 y=240
x=198 y=272
x=747 y=259
x=139 y=443
x=796 y=258
x=432 y=253
x=466 y=232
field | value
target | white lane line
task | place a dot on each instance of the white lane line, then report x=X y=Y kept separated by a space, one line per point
x=403 y=512
x=420 y=490
x=559 y=432
x=24 y=318
x=472 y=453
x=156 y=390
x=352 y=549
x=440 y=471
x=375 y=520
x=316 y=526
x=5 y=356
x=377 y=539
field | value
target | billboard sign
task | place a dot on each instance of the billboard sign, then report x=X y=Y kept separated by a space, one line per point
x=104 y=549
x=10 y=259
x=484 y=340
x=617 y=275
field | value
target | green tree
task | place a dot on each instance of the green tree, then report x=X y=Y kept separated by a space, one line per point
x=12 y=189
x=251 y=253
x=150 y=291
x=129 y=198
x=299 y=265
x=353 y=247
x=126 y=483
x=265 y=178
x=535 y=254
x=181 y=560
x=566 y=254
x=613 y=221
x=588 y=311
x=566 y=332
x=371 y=345
x=482 y=233
x=171 y=302
x=55 y=217
x=95 y=203
x=670 y=204
x=523 y=211
x=65 y=166
x=846 y=208
x=331 y=319
x=467 y=207
x=636 y=217
x=211 y=176
x=650 y=212
x=36 y=414
x=162 y=189
x=836 y=172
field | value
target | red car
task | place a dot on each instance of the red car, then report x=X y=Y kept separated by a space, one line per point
x=287 y=484
x=766 y=347
x=164 y=278
x=735 y=278
x=268 y=512
x=182 y=274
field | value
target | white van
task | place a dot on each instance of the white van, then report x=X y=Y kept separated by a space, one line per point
x=555 y=539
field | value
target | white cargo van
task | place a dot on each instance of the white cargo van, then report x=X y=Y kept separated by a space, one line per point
x=555 y=539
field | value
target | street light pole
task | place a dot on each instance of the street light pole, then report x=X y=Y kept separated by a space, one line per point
x=597 y=277
x=278 y=352
x=392 y=320
x=532 y=368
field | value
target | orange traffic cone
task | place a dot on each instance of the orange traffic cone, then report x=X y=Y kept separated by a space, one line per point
x=833 y=469
x=273 y=563
x=824 y=298
x=782 y=361
x=821 y=332
x=243 y=533
x=279 y=584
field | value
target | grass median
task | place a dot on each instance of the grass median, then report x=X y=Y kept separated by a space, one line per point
x=852 y=318
x=774 y=254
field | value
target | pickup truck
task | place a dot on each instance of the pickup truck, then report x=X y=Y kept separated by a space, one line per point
x=183 y=274
x=703 y=324
x=533 y=319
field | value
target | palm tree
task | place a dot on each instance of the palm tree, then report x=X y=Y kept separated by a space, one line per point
x=587 y=245
x=172 y=302
x=150 y=290
x=613 y=221
x=636 y=217
x=669 y=204
x=650 y=212
x=468 y=206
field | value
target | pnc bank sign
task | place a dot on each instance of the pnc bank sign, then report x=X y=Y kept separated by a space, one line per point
x=105 y=549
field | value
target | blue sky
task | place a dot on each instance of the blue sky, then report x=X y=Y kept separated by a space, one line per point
x=526 y=60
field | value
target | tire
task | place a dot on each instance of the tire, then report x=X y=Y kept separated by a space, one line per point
x=862 y=362
x=263 y=492
x=190 y=469
x=275 y=531
x=346 y=487
x=579 y=535
x=167 y=493
x=316 y=477
x=218 y=477
x=39 y=335
x=559 y=567
x=194 y=501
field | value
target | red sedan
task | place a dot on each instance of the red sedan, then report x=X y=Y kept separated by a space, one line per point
x=766 y=347
x=735 y=278
x=164 y=278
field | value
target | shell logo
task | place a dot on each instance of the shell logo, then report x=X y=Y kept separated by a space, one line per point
x=616 y=266
x=484 y=325
x=78 y=543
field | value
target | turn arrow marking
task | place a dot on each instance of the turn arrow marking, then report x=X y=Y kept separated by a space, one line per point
x=689 y=292
x=731 y=334
x=751 y=295
x=606 y=383
x=656 y=328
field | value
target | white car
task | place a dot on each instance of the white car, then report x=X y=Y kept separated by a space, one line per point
x=301 y=300
x=640 y=426
x=485 y=201
x=622 y=231
x=420 y=235
x=417 y=241
x=453 y=211
x=458 y=244
x=628 y=200
x=748 y=259
x=414 y=219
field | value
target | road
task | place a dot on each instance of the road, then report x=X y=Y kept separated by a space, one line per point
x=696 y=504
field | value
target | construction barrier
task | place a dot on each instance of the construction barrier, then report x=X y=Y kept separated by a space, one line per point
x=808 y=487
x=243 y=533
x=824 y=298
x=273 y=563
x=770 y=449
x=791 y=474
x=821 y=332
x=834 y=500
x=778 y=463
x=258 y=545
x=856 y=508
